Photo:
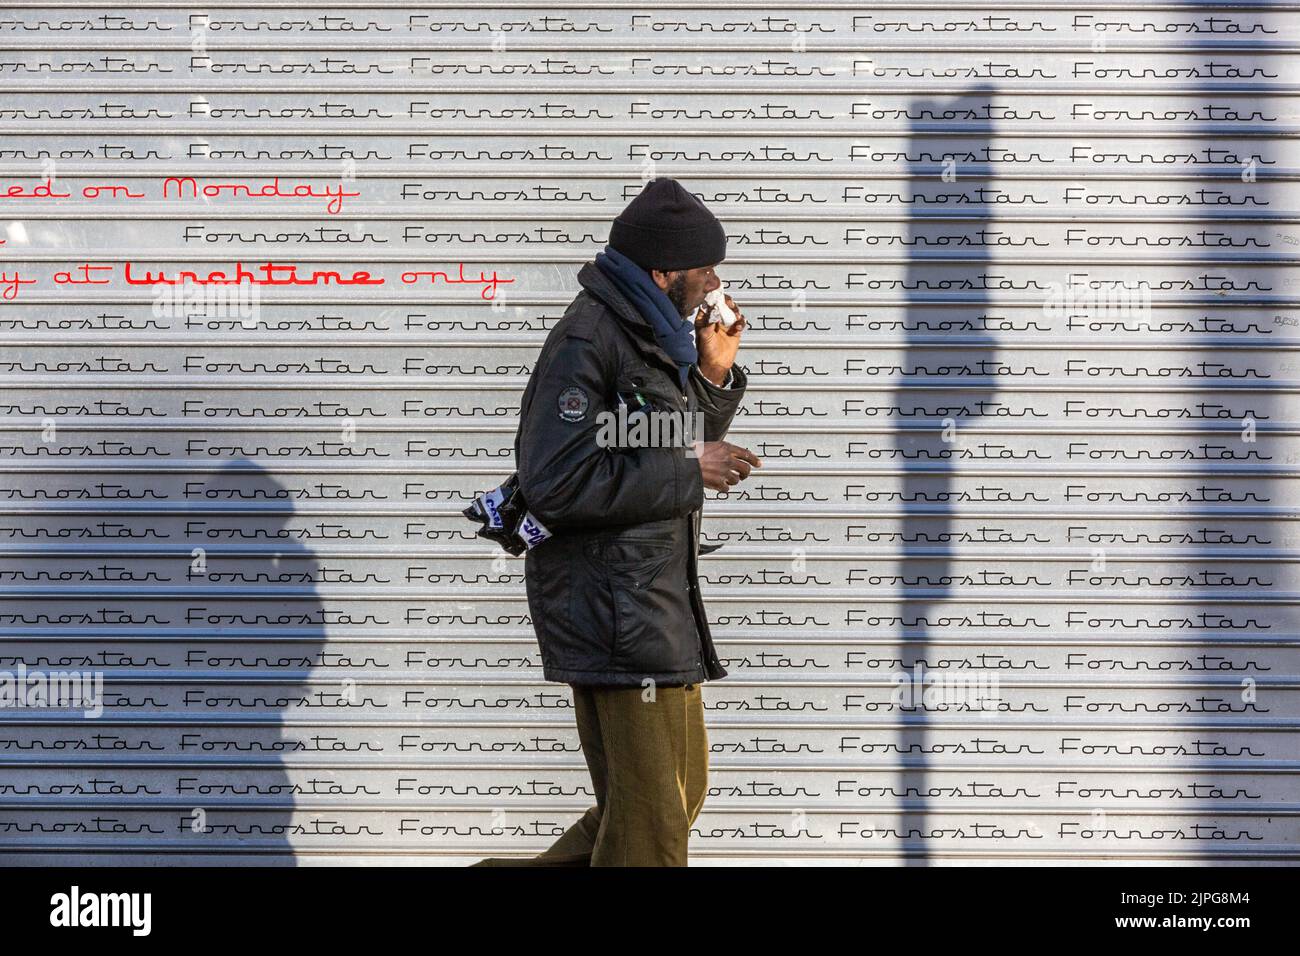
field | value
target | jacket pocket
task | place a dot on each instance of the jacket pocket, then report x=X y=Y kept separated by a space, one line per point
x=648 y=606
x=641 y=559
x=572 y=613
x=653 y=384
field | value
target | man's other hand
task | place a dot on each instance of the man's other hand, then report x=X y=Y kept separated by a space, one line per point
x=723 y=464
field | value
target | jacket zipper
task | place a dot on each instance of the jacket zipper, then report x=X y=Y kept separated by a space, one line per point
x=692 y=583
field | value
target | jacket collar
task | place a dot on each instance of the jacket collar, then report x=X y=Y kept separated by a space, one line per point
x=592 y=278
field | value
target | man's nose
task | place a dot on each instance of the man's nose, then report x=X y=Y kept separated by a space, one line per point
x=713 y=283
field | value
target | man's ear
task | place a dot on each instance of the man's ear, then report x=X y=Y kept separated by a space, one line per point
x=661 y=279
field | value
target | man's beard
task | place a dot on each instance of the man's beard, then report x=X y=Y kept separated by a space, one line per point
x=676 y=293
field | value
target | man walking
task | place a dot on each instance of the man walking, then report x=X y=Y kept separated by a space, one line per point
x=613 y=593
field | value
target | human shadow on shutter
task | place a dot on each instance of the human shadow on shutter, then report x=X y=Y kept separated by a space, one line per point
x=944 y=332
x=277 y=790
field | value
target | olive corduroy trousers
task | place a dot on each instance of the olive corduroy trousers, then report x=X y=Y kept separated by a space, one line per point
x=648 y=755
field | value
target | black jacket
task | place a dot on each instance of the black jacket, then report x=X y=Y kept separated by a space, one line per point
x=614 y=593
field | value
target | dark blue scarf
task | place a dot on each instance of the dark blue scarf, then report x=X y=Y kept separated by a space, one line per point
x=671 y=330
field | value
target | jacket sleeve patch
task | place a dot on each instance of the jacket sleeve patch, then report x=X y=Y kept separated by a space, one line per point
x=573 y=403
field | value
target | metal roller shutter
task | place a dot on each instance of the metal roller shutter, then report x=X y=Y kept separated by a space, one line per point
x=1023 y=288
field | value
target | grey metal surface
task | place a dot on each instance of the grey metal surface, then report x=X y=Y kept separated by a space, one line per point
x=1024 y=302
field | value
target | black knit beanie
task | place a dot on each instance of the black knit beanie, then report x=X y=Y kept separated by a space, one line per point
x=667 y=228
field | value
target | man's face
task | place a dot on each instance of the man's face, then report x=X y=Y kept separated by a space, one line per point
x=686 y=288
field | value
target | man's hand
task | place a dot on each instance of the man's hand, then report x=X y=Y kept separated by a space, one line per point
x=717 y=344
x=723 y=464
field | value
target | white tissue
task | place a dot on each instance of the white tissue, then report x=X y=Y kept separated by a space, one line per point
x=721 y=312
